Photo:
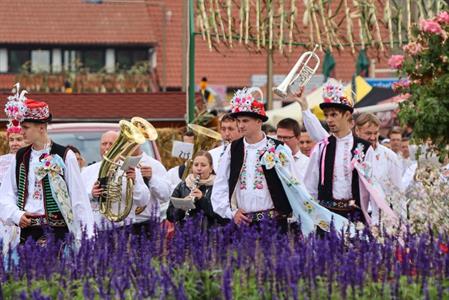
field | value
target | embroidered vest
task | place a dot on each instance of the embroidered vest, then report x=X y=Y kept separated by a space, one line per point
x=52 y=213
x=280 y=200
x=325 y=190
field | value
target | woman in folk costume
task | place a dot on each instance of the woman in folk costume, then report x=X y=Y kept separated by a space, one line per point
x=257 y=181
x=42 y=188
x=15 y=142
x=340 y=171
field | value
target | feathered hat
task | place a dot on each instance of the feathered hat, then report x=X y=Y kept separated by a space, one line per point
x=20 y=109
x=333 y=96
x=244 y=103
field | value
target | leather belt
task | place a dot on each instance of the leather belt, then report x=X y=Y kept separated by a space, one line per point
x=263 y=215
x=340 y=204
x=42 y=220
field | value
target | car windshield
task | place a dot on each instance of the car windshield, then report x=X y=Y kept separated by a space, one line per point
x=89 y=143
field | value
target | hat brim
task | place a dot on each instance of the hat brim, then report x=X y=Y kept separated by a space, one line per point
x=336 y=105
x=47 y=120
x=249 y=114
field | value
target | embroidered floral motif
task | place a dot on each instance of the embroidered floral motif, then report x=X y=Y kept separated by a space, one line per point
x=362 y=165
x=259 y=176
x=48 y=163
x=359 y=155
x=324 y=225
x=243 y=173
x=258 y=172
x=308 y=206
x=53 y=166
x=38 y=191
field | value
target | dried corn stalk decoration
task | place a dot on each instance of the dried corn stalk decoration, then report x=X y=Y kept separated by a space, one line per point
x=330 y=24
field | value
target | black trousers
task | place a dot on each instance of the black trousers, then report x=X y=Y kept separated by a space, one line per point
x=40 y=232
x=142 y=227
x=281 y=223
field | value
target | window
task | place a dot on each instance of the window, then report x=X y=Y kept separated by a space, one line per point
x=17 y=59
x=40 y=60
x=93 y=60
x=126 y=58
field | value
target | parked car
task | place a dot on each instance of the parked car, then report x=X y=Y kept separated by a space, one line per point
x=86 y=137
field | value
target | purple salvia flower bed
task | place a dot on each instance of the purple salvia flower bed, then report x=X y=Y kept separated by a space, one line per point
x=230 y=263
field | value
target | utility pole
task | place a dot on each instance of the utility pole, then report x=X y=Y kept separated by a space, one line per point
x=191 y=41
x=185 y=22
x=269 y=79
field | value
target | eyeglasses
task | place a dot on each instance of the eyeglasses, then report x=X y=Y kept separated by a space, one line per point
x=285 y=138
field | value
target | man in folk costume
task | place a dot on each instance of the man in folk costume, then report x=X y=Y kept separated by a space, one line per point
x=43 y=186
x=257 y=181
x=339 y=173
x=244 y=190
x=386 y=168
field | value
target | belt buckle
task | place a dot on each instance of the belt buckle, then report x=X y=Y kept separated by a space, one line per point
x=259 y=216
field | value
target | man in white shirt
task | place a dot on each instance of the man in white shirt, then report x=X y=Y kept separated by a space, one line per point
x=28 y=194
x=306 y=143
x=93 y=189
x=229 y=132
x=155 y=177
x=387 y=169
x=245 y=191
x=289 y=132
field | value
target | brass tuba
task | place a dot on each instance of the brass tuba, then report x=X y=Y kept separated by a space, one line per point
x=205 y=139
x=132 y=134
x=299 y=75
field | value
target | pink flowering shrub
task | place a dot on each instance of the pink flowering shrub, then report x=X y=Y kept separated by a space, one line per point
x=396 y=61
x=424 y=69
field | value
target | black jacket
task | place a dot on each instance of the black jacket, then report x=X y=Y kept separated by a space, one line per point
x=203 y=205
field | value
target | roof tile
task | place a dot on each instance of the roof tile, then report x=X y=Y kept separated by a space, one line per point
x=152 y=106
x=74 y=22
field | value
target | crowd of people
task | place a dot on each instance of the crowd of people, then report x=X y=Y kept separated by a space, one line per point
x=297 y=176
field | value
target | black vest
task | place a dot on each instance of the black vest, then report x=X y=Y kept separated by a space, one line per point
x=325 y=190
x=280 y=200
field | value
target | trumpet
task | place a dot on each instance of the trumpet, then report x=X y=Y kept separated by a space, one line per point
x=194 y=186
x=299 y=75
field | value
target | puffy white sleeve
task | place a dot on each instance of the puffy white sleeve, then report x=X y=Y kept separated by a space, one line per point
x=365 y=199
x=173 y=178
x=220 y=192
x=9 y=212
x=395 y=172
x=89 y=176
x=159 y=185
x=82 y=210
x=313 y=126
x=141 y=193
x=312 y=174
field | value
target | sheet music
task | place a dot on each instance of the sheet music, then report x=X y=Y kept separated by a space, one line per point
x=183 y=203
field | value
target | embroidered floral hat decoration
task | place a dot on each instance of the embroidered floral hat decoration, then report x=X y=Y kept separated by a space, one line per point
x=245 y=103
x=333 y=96
x=19 y=109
